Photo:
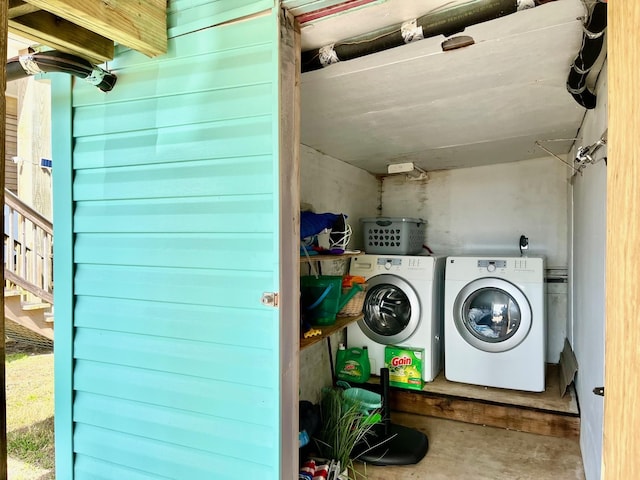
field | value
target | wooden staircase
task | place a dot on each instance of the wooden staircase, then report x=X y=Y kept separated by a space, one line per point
x=28 y=272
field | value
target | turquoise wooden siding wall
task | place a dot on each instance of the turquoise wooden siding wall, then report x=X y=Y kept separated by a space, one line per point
x=166 y=215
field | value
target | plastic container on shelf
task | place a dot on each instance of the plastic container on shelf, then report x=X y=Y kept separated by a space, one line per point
x=354 y=306
x=322 y=297
x=393 y=235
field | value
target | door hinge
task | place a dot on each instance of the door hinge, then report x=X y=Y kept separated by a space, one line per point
x=599 y=391
x=270 y=299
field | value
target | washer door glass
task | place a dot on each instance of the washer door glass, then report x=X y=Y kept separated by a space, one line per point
x=391 y=310
x=492 y=314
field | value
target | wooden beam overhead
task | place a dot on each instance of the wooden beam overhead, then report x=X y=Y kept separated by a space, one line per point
x=62 y=35
x=140 y=25
x=18 y=8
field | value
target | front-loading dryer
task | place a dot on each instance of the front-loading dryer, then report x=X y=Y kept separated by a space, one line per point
x=494 y=322
x=403 y=306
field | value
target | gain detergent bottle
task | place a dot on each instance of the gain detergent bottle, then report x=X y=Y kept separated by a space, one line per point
x=352 y=364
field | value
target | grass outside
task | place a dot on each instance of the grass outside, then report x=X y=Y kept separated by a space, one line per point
x=29 y=385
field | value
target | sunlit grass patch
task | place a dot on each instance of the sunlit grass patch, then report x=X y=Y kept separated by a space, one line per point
x=33 y=444
x=29 y=387
x=12 y=357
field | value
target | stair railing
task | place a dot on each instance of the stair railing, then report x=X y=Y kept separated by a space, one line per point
x=28 y=248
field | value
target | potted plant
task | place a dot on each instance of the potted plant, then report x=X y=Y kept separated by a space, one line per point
x=345 y=426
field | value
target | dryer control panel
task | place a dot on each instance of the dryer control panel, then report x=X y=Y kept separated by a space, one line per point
x=517 y=269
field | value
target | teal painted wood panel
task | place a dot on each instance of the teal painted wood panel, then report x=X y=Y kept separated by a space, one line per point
x=179 y=427
x=164 y=459
x=204 y=358
x=164 y=112
x=62 y=149
x=173 y=360
x=87 y=467
x=245 y=403
x=230 y=139
x=228 y=214
x=224 y=288
x=182 y=250
x=238 y=176
x=227 y=69
x=195 y=322
x=216 y=55
x=189 y=15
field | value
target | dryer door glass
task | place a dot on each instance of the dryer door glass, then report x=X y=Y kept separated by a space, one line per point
x=491 y=314
x=387 y=310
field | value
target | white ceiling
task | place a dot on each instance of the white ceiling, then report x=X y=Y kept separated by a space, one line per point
x=483 y=104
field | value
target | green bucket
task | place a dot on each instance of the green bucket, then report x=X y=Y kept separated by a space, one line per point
x=368 y=403
x=322 y=298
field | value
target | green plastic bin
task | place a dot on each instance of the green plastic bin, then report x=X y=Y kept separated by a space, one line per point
x=322 y=298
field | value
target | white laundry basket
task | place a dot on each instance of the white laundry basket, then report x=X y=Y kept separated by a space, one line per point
x=393 y=235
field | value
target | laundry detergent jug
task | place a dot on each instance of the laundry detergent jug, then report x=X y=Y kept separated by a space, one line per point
x=352 y=364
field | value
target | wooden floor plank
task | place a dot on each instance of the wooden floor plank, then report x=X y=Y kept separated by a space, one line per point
x=463 y=451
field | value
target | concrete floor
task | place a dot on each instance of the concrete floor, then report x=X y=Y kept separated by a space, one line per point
x=473 y=452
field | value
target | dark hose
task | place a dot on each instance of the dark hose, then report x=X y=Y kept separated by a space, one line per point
x=446 y=22
x=54 y=61
x=592 y=41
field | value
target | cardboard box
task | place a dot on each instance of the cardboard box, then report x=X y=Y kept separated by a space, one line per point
x=405 y=366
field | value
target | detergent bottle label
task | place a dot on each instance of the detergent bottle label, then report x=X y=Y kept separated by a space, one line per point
x=352 y=365
x=351 y=368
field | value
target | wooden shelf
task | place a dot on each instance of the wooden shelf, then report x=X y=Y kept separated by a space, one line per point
x=341 y=322
x=321 y=258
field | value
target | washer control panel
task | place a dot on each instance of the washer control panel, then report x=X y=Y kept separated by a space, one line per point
x=418 y=267
x=492 y=265
x=389 y=263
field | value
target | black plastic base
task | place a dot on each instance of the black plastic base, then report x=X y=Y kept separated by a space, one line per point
x=405 y=446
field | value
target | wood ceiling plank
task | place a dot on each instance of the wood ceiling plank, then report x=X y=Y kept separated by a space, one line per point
x=141 y=26
x=18 y=8
x=63 y=35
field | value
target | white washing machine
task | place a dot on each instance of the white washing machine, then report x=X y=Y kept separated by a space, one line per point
x=494 y=322
x=403 y=307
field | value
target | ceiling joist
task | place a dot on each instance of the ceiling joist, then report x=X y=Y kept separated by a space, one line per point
x=18 y=8
x=89 y=28
x=60 y=34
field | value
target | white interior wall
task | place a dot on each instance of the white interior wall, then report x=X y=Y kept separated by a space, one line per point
x=588 y=283
x=330 y=185
x=485 y=210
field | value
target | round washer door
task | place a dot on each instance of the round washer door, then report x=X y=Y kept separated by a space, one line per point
x=391 y=310
x=492 y=314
